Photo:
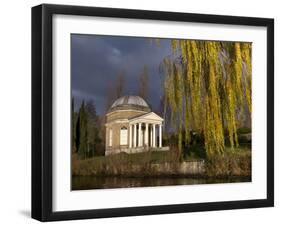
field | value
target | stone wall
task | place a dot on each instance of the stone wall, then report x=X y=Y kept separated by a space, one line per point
x=116 y=136
x=179 y=169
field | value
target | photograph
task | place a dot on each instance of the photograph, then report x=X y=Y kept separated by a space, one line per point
x=145 y=112
x=149 y=112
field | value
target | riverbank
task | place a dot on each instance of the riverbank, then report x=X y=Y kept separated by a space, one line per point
x=232 y=164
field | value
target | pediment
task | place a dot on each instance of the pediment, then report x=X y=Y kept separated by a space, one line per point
x=151 y=116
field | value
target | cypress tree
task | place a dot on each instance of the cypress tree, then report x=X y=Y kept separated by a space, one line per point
x=92 y=128
x=73 y=126
x=82 y=132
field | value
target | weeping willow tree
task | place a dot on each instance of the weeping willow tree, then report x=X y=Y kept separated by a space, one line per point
x=206 y=85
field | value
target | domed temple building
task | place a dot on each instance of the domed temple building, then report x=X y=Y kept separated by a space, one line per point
x=132 y=127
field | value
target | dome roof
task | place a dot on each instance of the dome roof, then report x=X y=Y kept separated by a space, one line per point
x=130 y=102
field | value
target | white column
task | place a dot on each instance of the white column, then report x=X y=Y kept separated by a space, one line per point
x=151 y=136
x=154 y=136
x=146 y=135
x=130 y=137
x=160 y=135
x=135 y=135
x=140 y=140
x=106 y=137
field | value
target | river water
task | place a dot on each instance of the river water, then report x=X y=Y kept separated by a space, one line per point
x=89 y=182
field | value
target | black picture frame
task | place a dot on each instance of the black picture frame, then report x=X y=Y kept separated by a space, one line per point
x=42 y=111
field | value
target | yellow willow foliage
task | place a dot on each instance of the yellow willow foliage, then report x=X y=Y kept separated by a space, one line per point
x=174 y=45
x=237 y=72
x=189 y=52
x=246 y=54
x=215 y=128
x=169 y=89
x=207 y=83
x=229 y=112
x=179 y=101
x=173 y=87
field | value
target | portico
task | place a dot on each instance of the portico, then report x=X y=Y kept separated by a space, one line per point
x=145 y=131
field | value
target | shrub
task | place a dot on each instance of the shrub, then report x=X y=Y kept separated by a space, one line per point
x=230 y=164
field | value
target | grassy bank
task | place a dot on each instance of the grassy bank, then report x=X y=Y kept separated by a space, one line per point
x=137 y=164
x=233 y=163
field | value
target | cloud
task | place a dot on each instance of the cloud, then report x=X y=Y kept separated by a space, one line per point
x=116 y=51
x=96 y=61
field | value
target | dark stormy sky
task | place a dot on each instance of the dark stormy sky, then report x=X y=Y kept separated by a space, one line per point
x=96 y=60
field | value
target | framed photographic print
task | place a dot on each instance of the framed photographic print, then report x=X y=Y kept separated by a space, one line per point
x=146 y=112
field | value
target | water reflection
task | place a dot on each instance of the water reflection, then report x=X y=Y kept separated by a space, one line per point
x=87 y=182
